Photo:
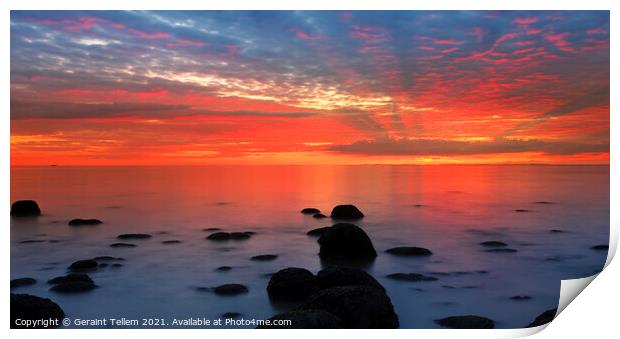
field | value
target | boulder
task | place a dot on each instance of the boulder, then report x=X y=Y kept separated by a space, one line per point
x=600 y=247
x=291 y=283
x=230 y=289
x=346 y=212
x=317 y=231
x=85 y=222
x=310 y=210
x=466 y=322
x=30 y=307
x=132 y=236
x=345 y=276
x=307 y=319
x=71 y=277
x=73 y=287
x=345 y=241
x=409 y=251
x=545 y=317
x=356 y=306
x=25 y=208
x=83 y=265
x=19 y=282
x=410 y=277
x=319 y=216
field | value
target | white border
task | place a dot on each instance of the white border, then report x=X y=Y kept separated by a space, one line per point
x=593 y=313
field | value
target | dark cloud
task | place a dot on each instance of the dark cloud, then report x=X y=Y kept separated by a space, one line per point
x=421 y=147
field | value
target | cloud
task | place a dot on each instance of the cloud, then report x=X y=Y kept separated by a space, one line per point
x=424 y=147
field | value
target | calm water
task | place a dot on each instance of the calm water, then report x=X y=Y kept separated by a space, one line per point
x=462 y=206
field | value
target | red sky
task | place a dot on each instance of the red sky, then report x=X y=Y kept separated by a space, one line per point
x=155 y=88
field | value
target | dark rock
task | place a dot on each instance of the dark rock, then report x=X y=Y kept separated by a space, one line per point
x=409 y=251
x=410 y=277
x=212 y=229
x=493 y=244
x=240 y=235
x=264 y=257
x=73 y=287
x=168 y=242
x=85 y=222
x=108 y=258
x=71 y=277
x=231 y=315
x=219 y=236
x=557 y=231
x=317 y=231
x=30 y=307
x=223 y=268
x=520 y=297
x=346 y=212
x=82 y=265
x=130 y=236
x=230 y=289
x=521 y=210
x=600 y=247
x=466 y=322
x=345 y=276
x=33 y=241
x=356 y=306
x=291 y=284
x=310 y=211
x=25 y=208
x=543 y=202
x=307 y=319
x=117 y=265
x=501 y=250
x=545 y=317
x=122 y=244
x=19 y=282
x=346 y=241
x=319 y=216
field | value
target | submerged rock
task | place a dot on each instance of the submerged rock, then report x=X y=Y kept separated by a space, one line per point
x=356 y=306
x=30 y=307
x=307 y=319
x=240 y=235
x=108 y=258
x=521 y=210
x=345 y=241
x=556 y=231
x=82 y=265
x=410 y=277
x=466 y=322
x=71 y=277
x=319 y=216
x=600 y=247
x=31 y=241
x=545 y=317
x=543 y=202
x=493 y=244
x=129 y=236
x=230 y=289
x=345 y=276
x=520 y=297
x=19 y=282
x=310 y=210
x=224 y=236
x=409 y=251
x=211 y=229
x=73 y=287
x=122 y=244
x=25 y=208
x=501 y=250
x=346 y=212
x=291 y=283
x=317 y=231
x=85 y=222
x=223 y=268
x=169 y=242
x=264 y=257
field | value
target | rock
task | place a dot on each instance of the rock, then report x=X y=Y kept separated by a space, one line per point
x=19 y=282
x=231 y=315
x=600 y=247
x=501 y=250
x=73 y=287
x=493 y=244
x=108 y=258
x=346 y=212
x=240 y=235
x=346 y=241
x=30 y=307
x=466 y=322
x=223 y=268
x=25 y=208
x=71 y=277
x=409 y=251
x=82 y=265
x=310 y=211
x=291 y=284
x=557 y=231
x=543 y=202
x=168 y=242
x=521 y=210
x=264 y=257
x=33 y=241
x=356 y=306
x=131 y=236
x=307 y=319
x=211 y=229
x=545 y=317
x=122 y=244
x=230 y=289
x=410 y=277
x=317 y=231
x=224 y=236
x=345 y=276
x=319 y=216
x=117 y=265
x=85 y=222
x=520 y=297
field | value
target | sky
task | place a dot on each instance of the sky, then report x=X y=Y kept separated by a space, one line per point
x=304 y=87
